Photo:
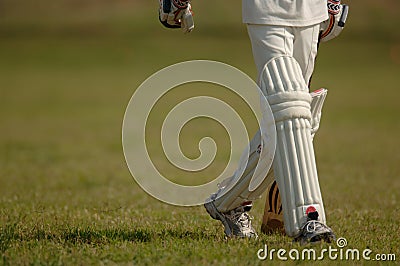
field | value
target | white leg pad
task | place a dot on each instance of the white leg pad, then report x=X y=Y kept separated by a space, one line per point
x=294 y=163
x=239 y=194
x=234 y=191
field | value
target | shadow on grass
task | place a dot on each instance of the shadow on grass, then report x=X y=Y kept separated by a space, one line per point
x=95 y=236
x=92 y=235
x=89 y=235
x=7 y=234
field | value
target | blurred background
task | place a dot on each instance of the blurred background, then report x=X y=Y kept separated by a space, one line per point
x=68 y=69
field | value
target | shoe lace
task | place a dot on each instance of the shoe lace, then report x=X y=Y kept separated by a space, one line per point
x=313 y=226
x=240 y=217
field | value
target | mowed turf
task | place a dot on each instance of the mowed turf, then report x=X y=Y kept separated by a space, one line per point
x=67 y=72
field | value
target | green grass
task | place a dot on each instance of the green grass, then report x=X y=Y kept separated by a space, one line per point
x=66 y=75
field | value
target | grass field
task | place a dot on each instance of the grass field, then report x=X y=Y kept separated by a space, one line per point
x=67 y=71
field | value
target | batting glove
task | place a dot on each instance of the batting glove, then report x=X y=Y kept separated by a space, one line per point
x=332 y=27
x=176 y=14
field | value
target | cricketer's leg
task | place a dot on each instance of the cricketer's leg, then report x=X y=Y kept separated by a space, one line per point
x=294 y=164
x=267 y=42
x=233 y=199
x=270 y=41
x=234 y=193
x=237 y=185
x=273 y=215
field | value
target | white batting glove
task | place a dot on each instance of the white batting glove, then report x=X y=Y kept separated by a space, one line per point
x=332 y=27
x=176 y=14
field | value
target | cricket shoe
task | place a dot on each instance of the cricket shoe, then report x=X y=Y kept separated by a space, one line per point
x=237 y=222
x=315 y=232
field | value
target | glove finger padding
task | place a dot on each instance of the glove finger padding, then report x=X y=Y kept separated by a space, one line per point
x=332 y=27
x=176 y=14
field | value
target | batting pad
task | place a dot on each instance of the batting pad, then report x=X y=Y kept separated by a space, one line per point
x=294 y=163
x=234 y=191
x=231 y=195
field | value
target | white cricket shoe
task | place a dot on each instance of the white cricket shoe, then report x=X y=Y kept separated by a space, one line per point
x=314 y=232
x=237 y=222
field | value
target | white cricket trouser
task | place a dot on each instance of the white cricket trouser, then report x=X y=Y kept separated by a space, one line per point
x=269 y=41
